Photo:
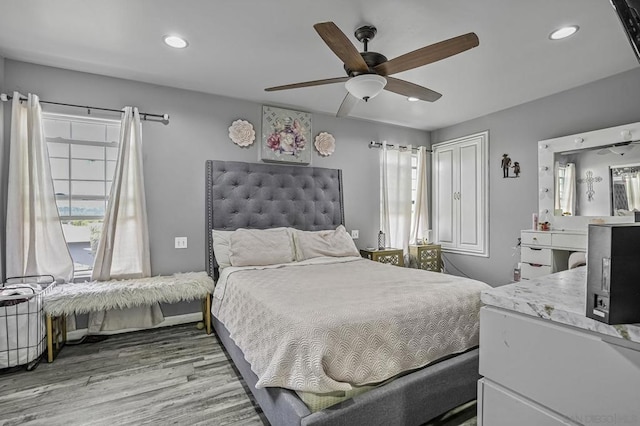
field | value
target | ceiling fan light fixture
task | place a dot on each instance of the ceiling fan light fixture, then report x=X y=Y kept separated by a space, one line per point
x=366 y=86
x=412 y=99
x=564 y=32
x=175 y=41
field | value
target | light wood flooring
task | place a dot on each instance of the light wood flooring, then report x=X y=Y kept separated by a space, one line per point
x=175 y=375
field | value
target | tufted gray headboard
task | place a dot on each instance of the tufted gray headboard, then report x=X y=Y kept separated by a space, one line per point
x=255 y=195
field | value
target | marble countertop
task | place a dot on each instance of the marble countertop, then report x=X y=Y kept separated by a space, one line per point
x=559 y=297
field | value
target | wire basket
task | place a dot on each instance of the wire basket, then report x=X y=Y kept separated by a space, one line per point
x=22 y=320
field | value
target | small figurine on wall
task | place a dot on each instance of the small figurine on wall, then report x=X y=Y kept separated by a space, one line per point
x=516 y=168
x=505 y=164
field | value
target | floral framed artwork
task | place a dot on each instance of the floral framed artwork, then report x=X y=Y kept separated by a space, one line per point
x=286 y=135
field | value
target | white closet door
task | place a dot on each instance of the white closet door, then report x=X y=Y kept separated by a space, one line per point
x=445 y=205
x=460 y=201
x=470 y=200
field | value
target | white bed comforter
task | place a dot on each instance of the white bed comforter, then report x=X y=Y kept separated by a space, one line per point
x=325 y=324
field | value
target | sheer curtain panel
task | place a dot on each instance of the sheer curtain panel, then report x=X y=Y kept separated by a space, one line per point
x=632 y=185
x=35 y=241
x=568 y=203
x=123 y=249
x=420 y=219
x=395 y=195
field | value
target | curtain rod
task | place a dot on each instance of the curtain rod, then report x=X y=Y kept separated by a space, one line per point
x=374 y=144
x=165 y=117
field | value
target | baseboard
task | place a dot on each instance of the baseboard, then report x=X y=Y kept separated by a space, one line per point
x=168 y=321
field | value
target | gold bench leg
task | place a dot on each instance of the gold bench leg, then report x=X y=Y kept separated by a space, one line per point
x=56 y=335
x=207 y=313
x=63 y=320
x=49 y=339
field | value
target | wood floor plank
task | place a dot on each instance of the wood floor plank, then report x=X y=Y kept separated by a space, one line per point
x=175 y=375
x=169 y=376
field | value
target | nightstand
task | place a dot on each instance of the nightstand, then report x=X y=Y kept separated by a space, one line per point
x=391 y=256
x=428 y=256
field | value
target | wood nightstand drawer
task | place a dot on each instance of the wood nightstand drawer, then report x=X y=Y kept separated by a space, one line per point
x=391 y=256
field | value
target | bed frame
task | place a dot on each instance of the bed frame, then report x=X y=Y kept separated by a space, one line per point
x=253 y=195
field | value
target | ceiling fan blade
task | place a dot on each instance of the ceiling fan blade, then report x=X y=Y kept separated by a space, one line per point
x=308 y=84
x=348 y=103
x=407 y=89
x=428 y=54
x=341 y=46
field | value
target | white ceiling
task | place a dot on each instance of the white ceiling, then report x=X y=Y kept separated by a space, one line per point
x=239 y=47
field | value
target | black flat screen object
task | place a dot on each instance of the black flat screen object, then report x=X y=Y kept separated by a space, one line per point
x=629 y=13
x=613 y=273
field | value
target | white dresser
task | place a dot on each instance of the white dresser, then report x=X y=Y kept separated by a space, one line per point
x=545 y=363
x=545 y=252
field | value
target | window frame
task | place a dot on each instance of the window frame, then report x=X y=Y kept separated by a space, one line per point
x=112 y=127
x=70 y=196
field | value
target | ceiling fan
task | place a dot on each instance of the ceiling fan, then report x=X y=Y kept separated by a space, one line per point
x=368 y=72
x=618 y=148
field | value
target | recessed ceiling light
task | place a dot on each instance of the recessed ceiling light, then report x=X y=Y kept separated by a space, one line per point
x=175 y=41
x=412 y=99
x=563 y=32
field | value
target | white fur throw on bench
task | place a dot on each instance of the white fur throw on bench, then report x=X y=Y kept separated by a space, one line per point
x=81 y=298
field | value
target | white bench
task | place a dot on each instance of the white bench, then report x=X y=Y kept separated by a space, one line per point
x=82 y=298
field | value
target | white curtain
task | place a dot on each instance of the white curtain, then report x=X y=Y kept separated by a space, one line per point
x=565 y=183
x=556 y=187
x=568 y=202
x=395 y=196
x=35 y=241
x=123 y=249
x=632 y=185
x=420 y=219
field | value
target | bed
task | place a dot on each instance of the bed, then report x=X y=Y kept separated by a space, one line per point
x=263 y=196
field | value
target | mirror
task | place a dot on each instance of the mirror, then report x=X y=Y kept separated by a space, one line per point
x=597 y=181
x=625 y=189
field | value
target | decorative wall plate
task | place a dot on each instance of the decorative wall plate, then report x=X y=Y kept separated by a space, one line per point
x=241 y=133
x=325 y=143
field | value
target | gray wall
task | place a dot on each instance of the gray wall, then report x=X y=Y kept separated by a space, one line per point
x=609 y=102
x=174 y=155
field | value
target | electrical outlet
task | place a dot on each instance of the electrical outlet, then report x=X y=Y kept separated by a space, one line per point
x=181 y=242
x=355 y=234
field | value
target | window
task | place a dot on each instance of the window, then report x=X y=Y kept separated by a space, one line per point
x=83 y=153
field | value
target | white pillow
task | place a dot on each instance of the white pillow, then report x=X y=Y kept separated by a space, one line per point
x=336 y=243
x=221 y=247
x=259 y=247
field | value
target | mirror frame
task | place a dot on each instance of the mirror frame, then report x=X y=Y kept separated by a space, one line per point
x=612 y=201
x=546 y=165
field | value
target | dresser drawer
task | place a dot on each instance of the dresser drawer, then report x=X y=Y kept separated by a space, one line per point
x=568 y=371
x=498 y=406
x=535 y=239
x=570 y=241
x=540 y=256
x=529 y=271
